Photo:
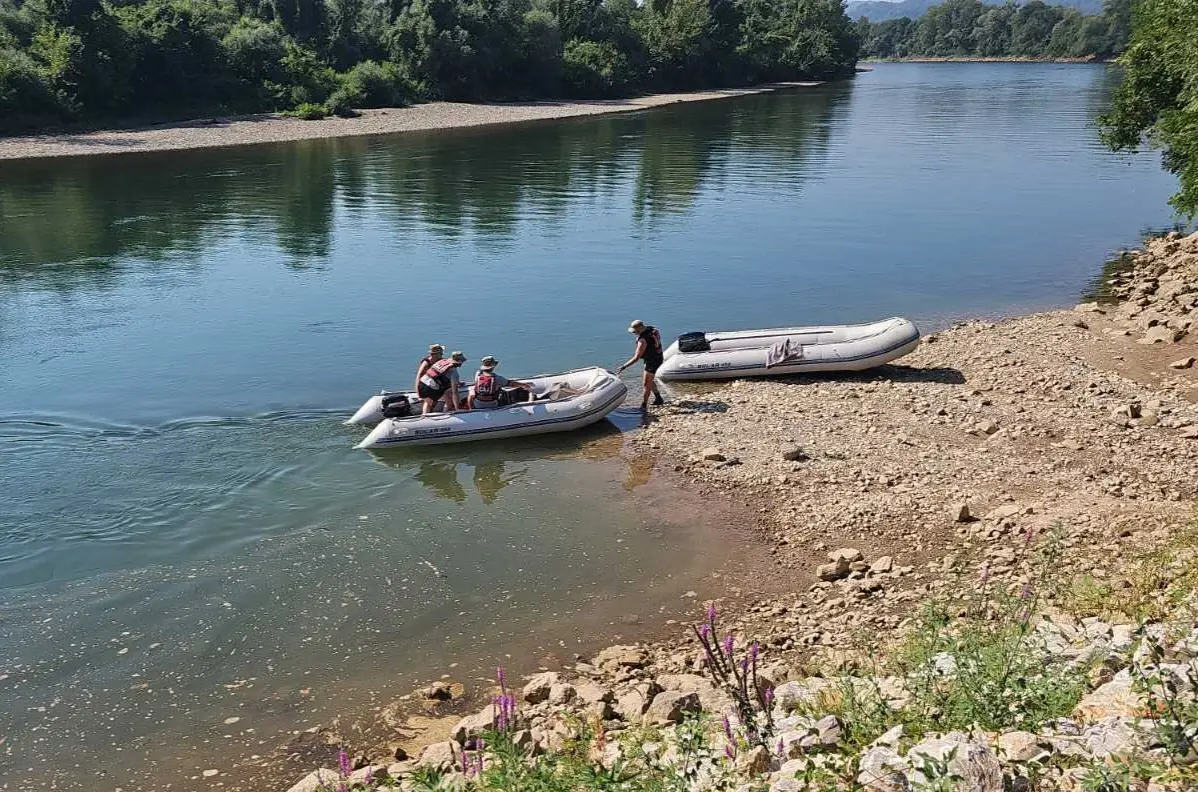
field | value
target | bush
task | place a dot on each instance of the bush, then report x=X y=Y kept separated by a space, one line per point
x=255 y=49
x=340 y=105
x=370 y=84
x=308 y=111
x=593 y=69
x=26 y=98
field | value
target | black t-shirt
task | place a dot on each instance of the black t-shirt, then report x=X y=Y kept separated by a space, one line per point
x=653 y=351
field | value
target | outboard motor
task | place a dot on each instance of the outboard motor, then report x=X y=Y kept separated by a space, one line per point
x=396 y=405
x=693 y=342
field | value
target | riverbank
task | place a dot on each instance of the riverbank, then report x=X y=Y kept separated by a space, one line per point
x=275 y=128
x=1033 y=478
x=978 y=59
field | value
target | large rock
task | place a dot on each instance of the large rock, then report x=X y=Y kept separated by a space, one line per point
x=883 y=770
x=441 y=756
x=1183 y=363
x=882 y=566
x=317 y=781
x=1021 y=746
x=959 y=512
x=633 y=704
x=712 y=454
x=670 y=707
x=849 y=554
x=562 y=693
x=1111 y=737
x=833 y=571
x=1116 y=698
x=754 y=761
x=1161 y=334
x=828 y=731
x=589 y=693
x=790 y=695
x=614 y=657
x=973 y=766
x=474 y=724
x=537 y=689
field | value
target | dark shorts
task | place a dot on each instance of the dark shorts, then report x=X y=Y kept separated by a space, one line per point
x=652 y=366
x=425 y=392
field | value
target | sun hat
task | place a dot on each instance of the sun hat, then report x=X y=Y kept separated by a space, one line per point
x=436 y=348
x=458 y=357
x=636 y=326
x=489 y=362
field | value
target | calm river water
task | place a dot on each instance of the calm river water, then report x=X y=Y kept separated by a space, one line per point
x=186 y=535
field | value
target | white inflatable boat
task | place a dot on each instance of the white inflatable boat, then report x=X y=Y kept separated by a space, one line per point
x=561 y=402
x=787 y=350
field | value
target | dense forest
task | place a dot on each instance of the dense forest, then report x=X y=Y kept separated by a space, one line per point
x=98 y=61
x=1157 y=102
x=971 y=29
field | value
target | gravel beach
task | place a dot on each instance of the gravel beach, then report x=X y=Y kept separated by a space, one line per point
x=273 y=128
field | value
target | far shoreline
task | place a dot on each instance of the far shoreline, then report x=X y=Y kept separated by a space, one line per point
x=276 y=128
x=981 y=59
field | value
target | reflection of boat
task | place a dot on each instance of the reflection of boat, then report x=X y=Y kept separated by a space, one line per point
x=442 y=479
x=596 y=392
x=489 y=479
x=787 y=350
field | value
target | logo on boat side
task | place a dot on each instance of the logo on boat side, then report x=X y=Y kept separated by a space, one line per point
x=438 y=430
x=703 y=366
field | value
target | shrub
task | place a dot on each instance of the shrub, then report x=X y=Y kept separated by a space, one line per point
x=26 y=98
x=255 y=49
x=594 y=69
x=370 y=84
x=308 y=111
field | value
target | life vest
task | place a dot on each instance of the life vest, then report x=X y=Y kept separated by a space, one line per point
x=437 y=376
x=486 y=386
x=652 y=339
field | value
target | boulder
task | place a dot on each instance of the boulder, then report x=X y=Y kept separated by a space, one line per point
x=590 y=692
x=1115 y=698
x=883 y=770
x=754 y=761
x=1089 y=307
x=834 y=571
x=368 y=774
x=441 y=756
x=1184 y=363
x=986 y=428
x=974 y=766
x=1111 y=737
x=537 y=689
x=828 y=731
x=959 y=512
x=633 y=704
x=712 y=454
x=670 y=706
x=317 y=781
x=562 y=693
x=1161 y=334
x=614 y=657
x=846 y=554
x=474 y=724
x=790 y=695
x=882 y=565
x=1003 y=512
x=1021 y=746
x=794 y=454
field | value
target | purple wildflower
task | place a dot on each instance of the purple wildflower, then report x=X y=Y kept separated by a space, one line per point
x=768 y=695
x=343 y=762
x=754 y=648
x=1030 y=535
x=704 y=630
x=1025 y=593
x=729 y=752
x=744 y=665
x=728 y=645
x=711 y=613
x=781 y=746
x=369 y=780
x=728 y=728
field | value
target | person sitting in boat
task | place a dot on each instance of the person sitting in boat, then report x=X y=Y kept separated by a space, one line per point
x=488 y=393
x=648 y=350
x=441 y=381
x=435 y=353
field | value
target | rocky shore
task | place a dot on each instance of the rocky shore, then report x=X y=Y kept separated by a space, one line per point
x=275 y=128
x=989 y=556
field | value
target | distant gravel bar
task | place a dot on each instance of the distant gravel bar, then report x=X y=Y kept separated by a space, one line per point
x=273 y=128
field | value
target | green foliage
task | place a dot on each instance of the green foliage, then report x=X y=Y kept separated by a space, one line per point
x=972 y=29
x=99 y=61
x=593 y=68
x=308 y=111
x=1157 y=103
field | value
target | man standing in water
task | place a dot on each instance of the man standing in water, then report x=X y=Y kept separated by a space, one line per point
x=648 y=350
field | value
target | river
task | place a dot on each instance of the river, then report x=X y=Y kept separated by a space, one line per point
x=187 y=536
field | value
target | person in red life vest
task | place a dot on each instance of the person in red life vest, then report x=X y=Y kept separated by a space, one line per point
x=440 y=380
x=487 y=393
x=648 y=350
x=435 y=353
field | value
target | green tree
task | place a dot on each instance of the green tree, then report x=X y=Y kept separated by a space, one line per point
x=1157 y=103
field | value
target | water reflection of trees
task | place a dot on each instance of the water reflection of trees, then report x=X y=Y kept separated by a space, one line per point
x=91 y=213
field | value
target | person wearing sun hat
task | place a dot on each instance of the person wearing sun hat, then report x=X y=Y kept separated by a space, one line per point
x=649 y=351
x=487 y=393
x=435 y=353
x=441 y=381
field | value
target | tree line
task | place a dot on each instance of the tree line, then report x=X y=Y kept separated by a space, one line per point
x=97 y=61
x=969 y=28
